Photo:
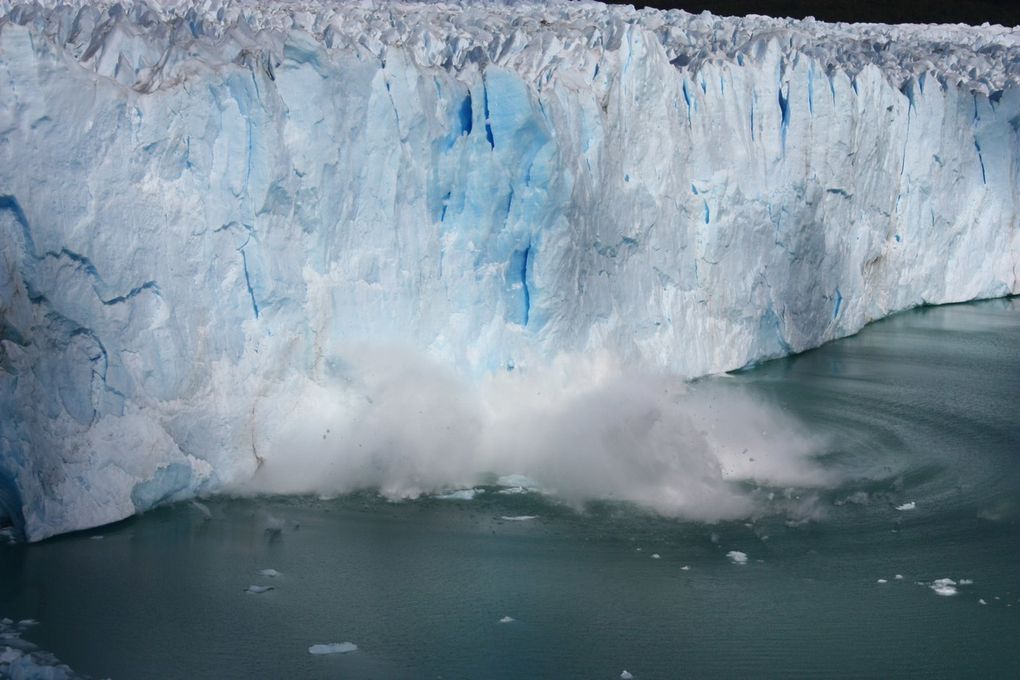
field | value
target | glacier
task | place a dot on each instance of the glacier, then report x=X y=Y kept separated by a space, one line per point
x=276 y=248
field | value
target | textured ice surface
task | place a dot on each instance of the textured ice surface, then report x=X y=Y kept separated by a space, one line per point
x=213 y=215
x=907 y=506
x=258 y=590
x=944 y=586
x=333 y=648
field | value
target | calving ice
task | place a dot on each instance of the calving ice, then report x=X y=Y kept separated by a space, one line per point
x=238 y=242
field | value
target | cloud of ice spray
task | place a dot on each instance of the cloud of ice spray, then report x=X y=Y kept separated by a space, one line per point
x=582 y=426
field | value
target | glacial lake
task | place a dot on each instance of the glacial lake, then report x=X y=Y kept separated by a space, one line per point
x=922 y=412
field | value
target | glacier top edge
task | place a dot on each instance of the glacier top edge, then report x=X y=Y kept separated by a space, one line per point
x=527 y=36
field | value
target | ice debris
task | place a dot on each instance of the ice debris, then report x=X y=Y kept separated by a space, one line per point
x=333 y=648
x=944 y=586
x=626 y=676
x=518 y=518
x=269 y=573
x=737 y=557
x=258 y=590
x=907 y=506
x=460 y=495
x=507 y=619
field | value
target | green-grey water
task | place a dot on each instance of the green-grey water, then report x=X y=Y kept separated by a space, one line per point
x=920 y=408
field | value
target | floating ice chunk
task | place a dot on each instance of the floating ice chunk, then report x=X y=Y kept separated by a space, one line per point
x=982 y=601
x=944 y=586
x=202 y=508
x=96 y=538
x=898 y=577
x=737 y=557
x=519 y=518
x=966 y=582
x=637 y=549
x=258 y=590
x=507 y=619
x=656 y=556
x=626 y=676
x=26 y=623
x=912 y=505
x=685 y=568
x=270 y=573
x=881 y=580
x=513 y=490
x=333 y=648
x=461 y=495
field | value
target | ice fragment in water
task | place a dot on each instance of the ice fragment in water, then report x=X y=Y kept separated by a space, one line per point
x=258 y=590
x=656 y=556
x=626 y=676
x=737 y=557
x=333 y=648
x=907 y=506
x=944 y=586
x=507 y=619
x=270 y=573
x=460 y=495
x=519 y=518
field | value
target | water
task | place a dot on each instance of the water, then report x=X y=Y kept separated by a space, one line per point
x=918 y=408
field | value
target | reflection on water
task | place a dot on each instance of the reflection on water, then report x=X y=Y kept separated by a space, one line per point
x=918 y=415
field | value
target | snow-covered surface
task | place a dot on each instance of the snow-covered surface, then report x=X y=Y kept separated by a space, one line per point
x=229 y=232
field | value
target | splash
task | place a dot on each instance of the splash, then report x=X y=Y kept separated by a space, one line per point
x=584 y=428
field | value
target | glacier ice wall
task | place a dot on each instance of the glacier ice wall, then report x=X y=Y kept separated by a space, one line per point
x=209 y=213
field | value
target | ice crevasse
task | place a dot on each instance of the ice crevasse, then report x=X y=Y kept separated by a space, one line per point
x=213 y=215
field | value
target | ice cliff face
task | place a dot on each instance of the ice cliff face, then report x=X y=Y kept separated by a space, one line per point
x=204 y=208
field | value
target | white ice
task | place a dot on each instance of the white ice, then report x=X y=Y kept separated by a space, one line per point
x=333 y=648
x=737 y=557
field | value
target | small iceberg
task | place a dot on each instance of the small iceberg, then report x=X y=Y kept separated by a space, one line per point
x=626 y=676
x=460 y=495
x=269 y=573
x=656 y=556
x=881 y=580
x=519 y=518
x=258 y=590
x=737 y=557
x=907 y=506
x=333 y=648
x=944 y=586
x=685 y=568
x=507 y=619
